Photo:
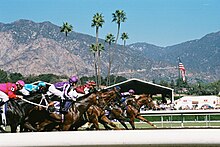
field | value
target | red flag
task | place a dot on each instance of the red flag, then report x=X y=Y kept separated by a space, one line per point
x=182 y=70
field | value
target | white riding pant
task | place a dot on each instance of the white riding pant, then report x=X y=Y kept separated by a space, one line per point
x=4 y=98
x=52 y=90
x=24 y=91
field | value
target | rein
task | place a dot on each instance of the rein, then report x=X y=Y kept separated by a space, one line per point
x=34 y=103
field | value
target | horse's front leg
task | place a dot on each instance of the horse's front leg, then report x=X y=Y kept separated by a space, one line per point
x=145 y=120
x=66 y=127
x=95 y=123
x=14 y=128
x=43 y=124
x=105 y=120
x=27 y=127
x=131 y=121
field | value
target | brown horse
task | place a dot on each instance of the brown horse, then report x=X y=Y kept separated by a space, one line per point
x=40 y=118
x=96 y=113
x=132 y=109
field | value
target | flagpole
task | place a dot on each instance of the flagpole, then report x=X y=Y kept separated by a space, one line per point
x=178 y=77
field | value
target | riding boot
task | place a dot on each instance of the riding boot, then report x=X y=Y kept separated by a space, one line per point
x=62 y=105
x=51 y=107
x=3 y=116
x=1 y=104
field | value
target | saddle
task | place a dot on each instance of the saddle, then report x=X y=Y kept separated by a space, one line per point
x=65 y=105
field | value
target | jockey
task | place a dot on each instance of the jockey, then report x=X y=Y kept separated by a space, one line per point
x=62 y=89
x=127 y=94
x=31 y=88
x=8 y=91
x=87 y=88
x=90 y=86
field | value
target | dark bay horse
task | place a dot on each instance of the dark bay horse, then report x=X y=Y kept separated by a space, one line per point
x=96 y=113
x=40 y=118
x=14 y=114
x=16 y=110
x=132 y=109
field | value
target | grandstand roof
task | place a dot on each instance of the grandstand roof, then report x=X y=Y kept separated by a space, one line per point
x=141 y=86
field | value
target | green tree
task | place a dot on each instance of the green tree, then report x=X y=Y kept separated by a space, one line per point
x=172 y=84
x=15 y=77
x=3 y=76
x=124 y=37
x=97 y=22
x=109 y=39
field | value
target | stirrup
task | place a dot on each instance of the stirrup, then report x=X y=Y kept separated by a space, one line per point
x=3 y=128
x=51 y=109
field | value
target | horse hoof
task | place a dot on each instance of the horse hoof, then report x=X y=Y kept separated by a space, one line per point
x=154 y=126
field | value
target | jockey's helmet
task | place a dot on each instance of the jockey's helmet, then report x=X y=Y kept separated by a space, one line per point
x=73 y=79
x=91 y=83
x=131 y=91
x=118 y=88
x=41 y=84
x=20 y=82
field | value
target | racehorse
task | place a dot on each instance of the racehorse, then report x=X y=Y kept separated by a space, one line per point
x=14 y=115
x=16 y=110
x=96 y=113
x=31 y=103
x=132 y=108
x=41 y=118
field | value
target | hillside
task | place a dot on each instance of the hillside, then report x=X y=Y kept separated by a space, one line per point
x=35 y=48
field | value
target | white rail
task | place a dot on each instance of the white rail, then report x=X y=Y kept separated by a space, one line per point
x=179 y=112
x=153 y=137
x=182 y=113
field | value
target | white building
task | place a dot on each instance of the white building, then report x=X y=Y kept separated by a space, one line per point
x=197 y=102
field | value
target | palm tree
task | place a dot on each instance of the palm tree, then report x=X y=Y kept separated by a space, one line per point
x=93 y=49
x=119 y=16
x=124 y=37
x=97 y=22
x=67 y=28
x=100 y=48
x=109 y=39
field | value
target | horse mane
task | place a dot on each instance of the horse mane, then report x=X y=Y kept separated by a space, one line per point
x=84 y=96
x=33 y=97
x=142 y=95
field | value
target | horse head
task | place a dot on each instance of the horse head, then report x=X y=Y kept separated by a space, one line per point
x=145 y=100
x=105 y=97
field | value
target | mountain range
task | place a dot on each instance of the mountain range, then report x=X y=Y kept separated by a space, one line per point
x=32 y=48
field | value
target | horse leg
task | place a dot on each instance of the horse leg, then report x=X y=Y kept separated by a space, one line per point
x=118 y=115
x=27 y=126
x=95 y=123
x=106 y=120
x=13 y=128
x=42 y=125
x=66 y=127
x=132 y=122
x=123 y=123
x=106 y=126
x=145 y=120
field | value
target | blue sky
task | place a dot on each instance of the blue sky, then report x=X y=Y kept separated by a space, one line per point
x=158 y=22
